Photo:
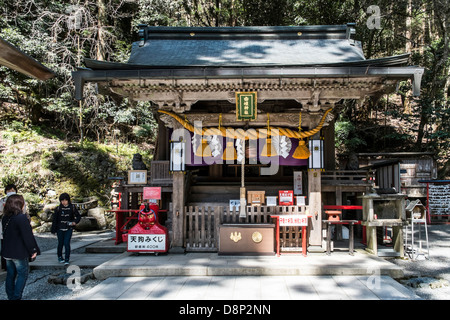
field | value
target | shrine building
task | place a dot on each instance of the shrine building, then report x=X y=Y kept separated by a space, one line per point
x=246 y=123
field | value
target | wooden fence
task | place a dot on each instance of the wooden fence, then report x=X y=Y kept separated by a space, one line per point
x=348 y=177
x=202 y=225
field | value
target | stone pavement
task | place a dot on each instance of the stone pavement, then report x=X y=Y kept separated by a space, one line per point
x=193 y=288
x=209 y=276
x=83 y=260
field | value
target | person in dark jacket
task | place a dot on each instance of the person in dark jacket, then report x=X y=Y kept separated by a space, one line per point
x=66 y=216
x=18 y=246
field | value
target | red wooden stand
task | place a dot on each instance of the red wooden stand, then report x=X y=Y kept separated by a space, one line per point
x=277 y=238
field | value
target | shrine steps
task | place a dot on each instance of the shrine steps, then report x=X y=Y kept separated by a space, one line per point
x=130 y=264
x=110 y=260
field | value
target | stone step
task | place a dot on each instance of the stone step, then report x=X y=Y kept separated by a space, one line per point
x=130 y=264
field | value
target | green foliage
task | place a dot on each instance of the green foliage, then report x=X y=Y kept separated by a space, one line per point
x=433 y=104
x=60 y=34
x=346 y=137
x=47 y=162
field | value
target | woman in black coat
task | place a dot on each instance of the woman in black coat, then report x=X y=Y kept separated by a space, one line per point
x=66 y=216
x=18 y=246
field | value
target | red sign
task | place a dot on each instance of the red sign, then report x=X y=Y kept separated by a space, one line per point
x=293 y=220
x=286 y=197
x=152 y=193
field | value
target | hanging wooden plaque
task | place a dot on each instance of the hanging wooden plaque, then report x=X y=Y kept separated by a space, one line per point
x=246 y=106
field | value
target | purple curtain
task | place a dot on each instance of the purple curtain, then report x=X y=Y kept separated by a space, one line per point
x=288 y=161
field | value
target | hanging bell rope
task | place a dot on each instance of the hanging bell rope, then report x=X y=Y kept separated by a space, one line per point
x=302 y=151
x=268 y=149
x=252 y=134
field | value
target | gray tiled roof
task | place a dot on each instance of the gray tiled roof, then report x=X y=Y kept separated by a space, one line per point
x=302 y=46
x=245 y=52
x=244 y=46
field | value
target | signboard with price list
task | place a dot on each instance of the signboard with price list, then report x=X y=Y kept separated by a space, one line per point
x=146 y=242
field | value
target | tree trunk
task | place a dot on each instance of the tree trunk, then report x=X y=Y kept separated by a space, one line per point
x=408 y=33
x=101 y=22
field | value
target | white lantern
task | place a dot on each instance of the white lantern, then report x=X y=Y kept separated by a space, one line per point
x=316 y=157
x=177 y=156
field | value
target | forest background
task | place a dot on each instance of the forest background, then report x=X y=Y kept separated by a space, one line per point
x=49 y=141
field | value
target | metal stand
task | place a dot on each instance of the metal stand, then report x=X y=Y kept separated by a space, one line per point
x=410 y=249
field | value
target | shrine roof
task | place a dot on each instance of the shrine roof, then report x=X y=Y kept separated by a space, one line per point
x=300 y=52
x=15 y=59
x=174 y=47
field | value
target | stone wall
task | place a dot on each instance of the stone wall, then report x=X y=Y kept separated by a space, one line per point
x=93 y=217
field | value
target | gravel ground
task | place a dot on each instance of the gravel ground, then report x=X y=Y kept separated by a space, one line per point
x=432 y=274
x=38 y=287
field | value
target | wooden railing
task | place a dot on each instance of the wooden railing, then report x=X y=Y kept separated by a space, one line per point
x=348 y=177
x=202 y=225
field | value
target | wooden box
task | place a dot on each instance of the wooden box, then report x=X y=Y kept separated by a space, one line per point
x=247 y=239
x=255 y=198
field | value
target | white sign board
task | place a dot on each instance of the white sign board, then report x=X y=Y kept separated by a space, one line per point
x=146 y=242
x=137 y=177
x=301 y=200
x=271 y=201
x=298 y=182
x=293 y=220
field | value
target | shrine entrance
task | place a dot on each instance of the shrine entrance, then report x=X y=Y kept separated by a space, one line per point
x=268 y=96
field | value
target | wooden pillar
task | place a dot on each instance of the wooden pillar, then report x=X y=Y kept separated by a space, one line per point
x=178 y=203
x=329 y=147
x=315 y=209
x=162 y=150
x=125 y=198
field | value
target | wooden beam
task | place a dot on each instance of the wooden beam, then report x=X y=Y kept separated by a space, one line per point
x=15 y=59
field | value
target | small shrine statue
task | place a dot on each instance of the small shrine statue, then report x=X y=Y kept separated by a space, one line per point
x=137 y=162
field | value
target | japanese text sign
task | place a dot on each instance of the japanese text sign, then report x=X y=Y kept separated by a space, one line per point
x=286 y=197
x=152 y=193
x=293 y=220
x=246 y=106
x=146 y=242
